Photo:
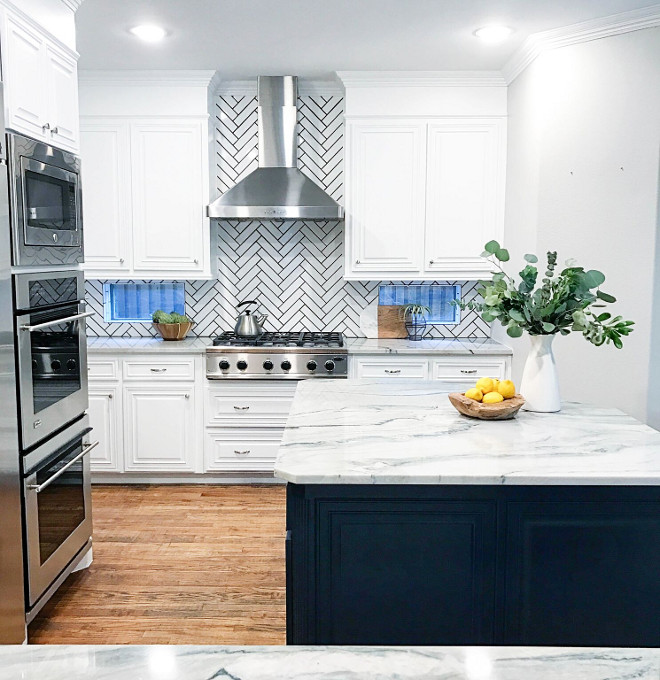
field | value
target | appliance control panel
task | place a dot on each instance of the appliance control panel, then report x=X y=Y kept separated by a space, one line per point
x=276 y=365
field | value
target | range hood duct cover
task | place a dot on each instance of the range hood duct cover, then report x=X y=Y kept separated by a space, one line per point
x=277 y=189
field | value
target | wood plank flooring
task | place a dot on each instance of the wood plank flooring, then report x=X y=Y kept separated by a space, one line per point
x=191 y=564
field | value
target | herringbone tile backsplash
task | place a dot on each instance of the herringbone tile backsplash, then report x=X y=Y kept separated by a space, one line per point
x=293 y=268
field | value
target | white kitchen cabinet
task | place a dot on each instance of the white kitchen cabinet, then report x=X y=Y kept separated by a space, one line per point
x=235 y=450
x=160 y=428
x=391 y=367
x=145 y=185
x=40 y=83
x=104 y=416
x=422 y=196
x=386 y=165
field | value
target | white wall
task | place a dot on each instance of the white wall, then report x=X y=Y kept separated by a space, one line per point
x=584 y=148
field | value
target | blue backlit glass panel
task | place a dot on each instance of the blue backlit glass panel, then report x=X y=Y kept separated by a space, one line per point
x=136 y=302
x=438 y=297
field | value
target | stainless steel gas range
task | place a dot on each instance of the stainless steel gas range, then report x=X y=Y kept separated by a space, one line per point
x=277 y=356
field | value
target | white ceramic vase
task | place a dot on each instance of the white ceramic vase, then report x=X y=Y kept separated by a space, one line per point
x=540 y=382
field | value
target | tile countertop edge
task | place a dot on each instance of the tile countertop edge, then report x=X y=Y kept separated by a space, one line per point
x=95 y=662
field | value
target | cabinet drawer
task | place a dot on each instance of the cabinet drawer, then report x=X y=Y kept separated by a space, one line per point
x=229 y=449
x=161 y=369
x=102 y=369
x=470 y=370
x=258 y=403
x=413 y=369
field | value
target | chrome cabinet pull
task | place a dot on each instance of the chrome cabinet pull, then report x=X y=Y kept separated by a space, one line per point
x=468 y=370
x=196 y=261
x=242 y=453
x=186 y=395
x=357 y=261
x=121 y=260
x=45 y=126
x=398 y=370
x=54 y=322
x=241 y=408
x=158 y=370
x=55 y=131
x=431 y=262
x=38 y=488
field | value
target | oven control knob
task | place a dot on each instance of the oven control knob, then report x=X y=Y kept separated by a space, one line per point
x=224 y=365
x=35 y=365
x=268 y=365
x=56 y=364
x=71 y=364
x=311 y=365
x=329 y=365
x=286 y=365
x=241 y=365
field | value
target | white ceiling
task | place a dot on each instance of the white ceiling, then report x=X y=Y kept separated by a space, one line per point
x=313 y=38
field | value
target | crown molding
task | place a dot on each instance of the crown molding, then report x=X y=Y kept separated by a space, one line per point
x=421 y=78
x=179 y=78
x=605 y=27
x=318 y=88
x=72 y=4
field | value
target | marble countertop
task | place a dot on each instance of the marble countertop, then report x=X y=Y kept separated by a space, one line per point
x=134 y=662
x=191 y=345
x=443 y=346
x=403 y=432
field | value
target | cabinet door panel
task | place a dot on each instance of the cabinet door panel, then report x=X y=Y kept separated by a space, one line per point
x=160 y=428
x=63 y=116
x=104 y=418
x=106 y=192
x=583 y=574
x=26 y=93
x=168 y=196
x=385 y=197
x=464 y=207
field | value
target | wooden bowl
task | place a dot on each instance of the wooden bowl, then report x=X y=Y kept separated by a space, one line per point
x=504 y=410
x=173 y=331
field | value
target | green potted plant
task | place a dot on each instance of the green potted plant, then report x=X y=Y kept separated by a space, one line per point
x=414 y=316
x=171 y=326
x=566 y=301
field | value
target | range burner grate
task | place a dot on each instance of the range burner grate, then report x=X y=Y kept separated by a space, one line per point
x=283 y=339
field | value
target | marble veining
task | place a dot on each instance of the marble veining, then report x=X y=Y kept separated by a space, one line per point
x=439 y=346
x=403 y=432
x=78 y=662
x=193 y=345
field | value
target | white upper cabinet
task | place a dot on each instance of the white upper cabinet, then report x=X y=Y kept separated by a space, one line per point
x=145 y=180
x=424 y=173
x=40 y=83
x=385 y=197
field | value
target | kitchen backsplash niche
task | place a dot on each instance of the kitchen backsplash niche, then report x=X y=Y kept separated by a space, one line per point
x=295 y=268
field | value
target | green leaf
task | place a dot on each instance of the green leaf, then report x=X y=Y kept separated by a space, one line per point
x=485 y=253
x=531 y=258
x=548 y=327
x=516 y=316
x=492 y=247
x=503 y=255
x=605 y=297
x=514 y=331
x=603 y=317
x=593 y=278
x=617 y=342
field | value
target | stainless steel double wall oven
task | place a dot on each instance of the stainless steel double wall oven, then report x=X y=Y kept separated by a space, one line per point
x=51 y=360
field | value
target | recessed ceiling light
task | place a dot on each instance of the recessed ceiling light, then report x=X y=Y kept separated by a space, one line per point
x=148 y=32
x=494 y=33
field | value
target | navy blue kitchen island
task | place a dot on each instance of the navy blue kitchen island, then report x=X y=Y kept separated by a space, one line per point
x=408 y=524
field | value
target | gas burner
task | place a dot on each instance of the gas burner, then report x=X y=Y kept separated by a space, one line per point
x=281 y=339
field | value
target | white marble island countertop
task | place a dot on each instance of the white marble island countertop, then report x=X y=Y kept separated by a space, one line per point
x=190 y=345
x=396 y=432
x=134 y=662
x=437 y=346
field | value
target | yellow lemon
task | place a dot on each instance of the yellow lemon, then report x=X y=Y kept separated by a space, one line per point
x=507 y=389
x=474 y=393
x=496 y=384
x=493 y=398
x=486 y=385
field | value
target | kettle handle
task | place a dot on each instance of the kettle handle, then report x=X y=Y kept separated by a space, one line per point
x=247 y=302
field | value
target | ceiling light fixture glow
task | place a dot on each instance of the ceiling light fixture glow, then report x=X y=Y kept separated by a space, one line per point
x=149 y=32
x=493 y=34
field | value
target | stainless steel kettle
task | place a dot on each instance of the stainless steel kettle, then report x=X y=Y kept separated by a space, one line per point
x=249 y=325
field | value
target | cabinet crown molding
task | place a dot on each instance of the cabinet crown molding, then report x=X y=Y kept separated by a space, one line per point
x=421 y=78
x=155 y=77
x=320 y=88
x=586 y=31
x=72 y=4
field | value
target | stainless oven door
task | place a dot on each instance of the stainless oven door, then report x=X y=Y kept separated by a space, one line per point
x=58 y=505
x=52 y=369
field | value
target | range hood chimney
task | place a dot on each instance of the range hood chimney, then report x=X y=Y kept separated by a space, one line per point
x=277 y=189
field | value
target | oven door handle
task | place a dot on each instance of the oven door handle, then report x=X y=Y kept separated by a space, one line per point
x=55 y=322
x=38 y=488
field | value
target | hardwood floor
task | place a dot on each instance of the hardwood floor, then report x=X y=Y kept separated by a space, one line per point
x=190 y=564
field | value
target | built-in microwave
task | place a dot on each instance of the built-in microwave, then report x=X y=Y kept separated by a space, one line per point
x=44 y=203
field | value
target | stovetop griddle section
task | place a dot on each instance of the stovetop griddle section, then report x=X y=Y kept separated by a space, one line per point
x=279 y=356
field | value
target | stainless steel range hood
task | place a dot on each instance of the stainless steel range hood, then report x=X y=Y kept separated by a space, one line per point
x=277 y=189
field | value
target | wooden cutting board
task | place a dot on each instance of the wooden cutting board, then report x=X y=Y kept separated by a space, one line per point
x=390 y=324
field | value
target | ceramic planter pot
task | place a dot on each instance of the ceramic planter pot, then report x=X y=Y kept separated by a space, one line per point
x=540 y=381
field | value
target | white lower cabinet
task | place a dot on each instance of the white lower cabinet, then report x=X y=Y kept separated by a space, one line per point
x=104 y=416
x=233 y=449
x=376 y=367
